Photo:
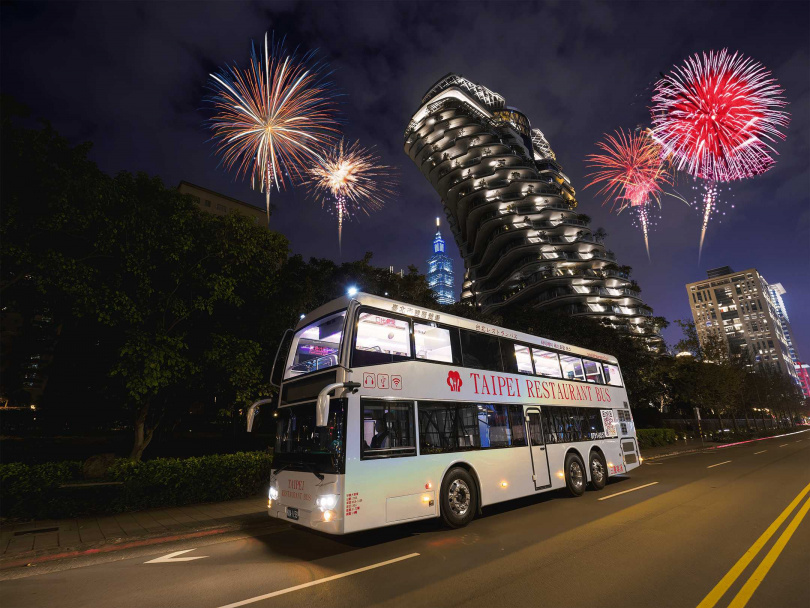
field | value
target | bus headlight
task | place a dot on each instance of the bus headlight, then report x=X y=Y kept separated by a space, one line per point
x=327 y=502
x=272 y=494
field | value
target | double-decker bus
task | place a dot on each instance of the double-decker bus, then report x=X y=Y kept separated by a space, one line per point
x=389 y=413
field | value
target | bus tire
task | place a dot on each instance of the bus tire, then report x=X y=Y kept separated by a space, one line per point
x=459 y=498
x=575 y=477
x=598 y=471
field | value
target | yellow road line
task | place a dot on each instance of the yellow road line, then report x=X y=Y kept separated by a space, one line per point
x=720 y=589
x=742 y=597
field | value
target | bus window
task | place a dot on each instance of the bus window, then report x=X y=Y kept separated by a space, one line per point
x=381 y=340
x=388 y=429
x=480 y=351
x=572 y=368
x=596 y=429
x=493 y=426
x=593 y=372
x=435 y=343
x=316 y=346
x=448 y=427
x=517 y=424
x=535 y=428
x=516 y=358
x=546 y=363
x=612 y=374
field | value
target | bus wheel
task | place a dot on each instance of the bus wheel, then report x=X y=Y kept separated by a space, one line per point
x=575 y=478
x=459 y=499
x=598 y=471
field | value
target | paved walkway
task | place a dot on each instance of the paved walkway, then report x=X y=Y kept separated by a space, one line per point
x=679 y=447
x=42 y=537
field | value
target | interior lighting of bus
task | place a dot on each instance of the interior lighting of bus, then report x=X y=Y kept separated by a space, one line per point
x=383 y=334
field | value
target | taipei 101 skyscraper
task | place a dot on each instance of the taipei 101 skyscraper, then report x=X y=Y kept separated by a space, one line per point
x=513 y=212
x=440 y=270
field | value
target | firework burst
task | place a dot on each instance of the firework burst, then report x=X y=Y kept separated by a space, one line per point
x=716 y=117
x=273 y=118
x=631 y=173
x=350 y=180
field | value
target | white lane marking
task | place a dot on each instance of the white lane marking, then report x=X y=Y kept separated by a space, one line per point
x=327 y=579
x=783 y=445
x=762 y=452
x=711 y=466
x=172 y=558
x=646 y=485
x=654 y=464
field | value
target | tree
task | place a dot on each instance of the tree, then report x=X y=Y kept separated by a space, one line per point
x=140 y=259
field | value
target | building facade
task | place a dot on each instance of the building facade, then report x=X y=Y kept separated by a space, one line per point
x=512 y=211
x=440 y=270
x=803 y=372
x=777 y=291
x=737 y=307
x=219 y=204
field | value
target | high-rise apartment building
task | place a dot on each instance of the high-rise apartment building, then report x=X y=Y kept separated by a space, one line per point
x=737 y=307
x=219 y=204
x=440 y=270
x=512 y=211
x=777 y=291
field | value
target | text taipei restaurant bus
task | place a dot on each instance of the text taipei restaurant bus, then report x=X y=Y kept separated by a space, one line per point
x=390 y=413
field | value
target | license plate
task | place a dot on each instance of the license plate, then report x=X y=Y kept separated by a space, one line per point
x=292 y=513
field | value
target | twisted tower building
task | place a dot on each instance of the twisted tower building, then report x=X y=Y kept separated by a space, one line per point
x=512 y=211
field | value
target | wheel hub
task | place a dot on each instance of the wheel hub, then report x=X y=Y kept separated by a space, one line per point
x=576 y=474
x=458 y=495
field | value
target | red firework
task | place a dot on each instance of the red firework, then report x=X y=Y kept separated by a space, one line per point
x=717 y=115
x=631 y=172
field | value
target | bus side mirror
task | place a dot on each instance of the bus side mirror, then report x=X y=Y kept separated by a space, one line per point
x=253 y=410
x=322 y=404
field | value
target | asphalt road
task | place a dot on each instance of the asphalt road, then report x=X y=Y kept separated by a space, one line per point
x=669 y=543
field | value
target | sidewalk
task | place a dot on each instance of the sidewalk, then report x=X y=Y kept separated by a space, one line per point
x=679 y=447
x=57 y=537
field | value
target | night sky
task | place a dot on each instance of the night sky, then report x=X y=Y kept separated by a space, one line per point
x=131 y=77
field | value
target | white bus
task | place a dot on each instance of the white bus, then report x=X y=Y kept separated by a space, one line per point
x=390 y=413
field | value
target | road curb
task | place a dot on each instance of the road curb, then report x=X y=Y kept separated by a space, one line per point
x=720 y=446
x=31 y=558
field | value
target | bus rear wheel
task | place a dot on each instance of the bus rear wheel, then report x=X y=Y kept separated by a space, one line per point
x=575 y=478
x=459 y=498
x=598 y=471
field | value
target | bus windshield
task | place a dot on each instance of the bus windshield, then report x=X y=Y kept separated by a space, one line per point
x=302 y=445
x=316 y=346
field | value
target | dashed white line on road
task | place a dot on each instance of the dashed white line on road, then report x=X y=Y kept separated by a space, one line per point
x=783 y=445
x=762 y=452
x=711 y=466
x=319 y=581
x=647 y=485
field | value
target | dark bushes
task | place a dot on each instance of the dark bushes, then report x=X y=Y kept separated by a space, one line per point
x=649 y=438
x=50 y=490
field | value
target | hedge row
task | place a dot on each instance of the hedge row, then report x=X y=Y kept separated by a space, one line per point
x=34 y=492
x=649 y=438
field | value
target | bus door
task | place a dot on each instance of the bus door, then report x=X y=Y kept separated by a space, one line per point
x=537 y=448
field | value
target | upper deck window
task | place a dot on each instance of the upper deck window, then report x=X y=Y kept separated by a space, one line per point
x=480 y=351
x=546 y=362
x=612 y=375
x=381 y=339
x=593 y=372
x=572 y=368
x=435 y=343
x=316 y=346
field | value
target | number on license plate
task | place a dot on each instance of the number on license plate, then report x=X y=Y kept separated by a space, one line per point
x=292 y=513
